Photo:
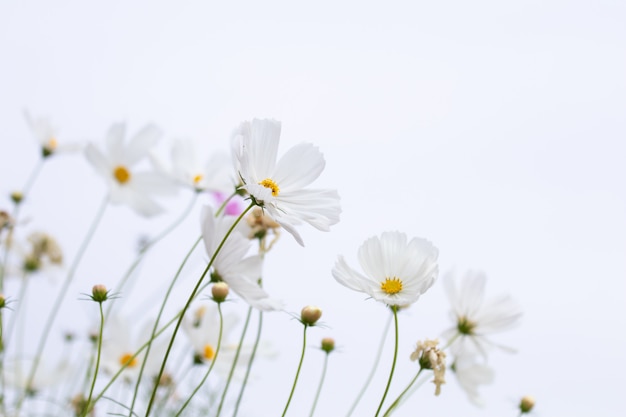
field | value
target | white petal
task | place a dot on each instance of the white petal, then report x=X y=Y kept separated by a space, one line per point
x=115 y=142
x=98 y=160
x=140 y=144
x=299 y=167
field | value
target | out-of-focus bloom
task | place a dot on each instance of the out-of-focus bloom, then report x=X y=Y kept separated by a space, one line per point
x=119 y=345
x=526 y=404
x=430 y=357
x=47 y=136
x=476 y=318
x=280 y=187
x=126 y=186
x=186 y=170
x=471 y=374
x=46 y=376
x=231 y=265
x=396 y=272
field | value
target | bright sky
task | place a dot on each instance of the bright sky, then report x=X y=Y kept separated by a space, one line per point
x=494 y=129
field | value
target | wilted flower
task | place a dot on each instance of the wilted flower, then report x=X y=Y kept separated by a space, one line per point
x=261 y=226
x=475 y=318
x=127 y=186
x=430 y=357
x=279 y=187
x=396 y=272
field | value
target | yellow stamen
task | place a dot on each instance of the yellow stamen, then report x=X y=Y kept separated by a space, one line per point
x=52 y=144
x=269 y=183
x=127 y=359
x=197 y=178
x=391 y=285
x=121 y=174
x=209 y=353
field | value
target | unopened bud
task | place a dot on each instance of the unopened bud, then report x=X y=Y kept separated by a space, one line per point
x=328 y=344
x=527 y=404
x=310 y=315
x=219 y=291
x=17 y=197
x=99 y=293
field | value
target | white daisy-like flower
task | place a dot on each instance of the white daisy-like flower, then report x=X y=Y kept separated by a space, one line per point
x=476 y=318
x=279 y=187
x=231 y=265
x=119 y=346
x=126 y=186
x=187 y=170
x=47 y=135
x=396 y=272
x=471 y=374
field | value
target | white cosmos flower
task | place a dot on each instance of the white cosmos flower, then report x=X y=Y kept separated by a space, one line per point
x=279 y=187
x=186 y=169
x=395 y=272
x=117 y=166
x=471 y=374
x=231 y=265
x=476 y=318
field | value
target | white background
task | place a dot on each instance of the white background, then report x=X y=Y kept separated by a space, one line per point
x=493 y=128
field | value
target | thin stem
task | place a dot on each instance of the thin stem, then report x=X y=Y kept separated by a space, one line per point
x=319 y=387
x=59 y=300
x=235 y=360
x=374 y=367
x=156 y=323
x=397 y=401
x=149 y=246
x=295 y=381
x=224 y=204
x=393 y=365
x=95 y=372
x=206 y=375
x=21 y=297
x=249 y=368
x=188 y=303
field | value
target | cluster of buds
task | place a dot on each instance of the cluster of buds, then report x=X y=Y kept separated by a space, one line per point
x=43 y=247
x=261 y=226
x=430 y=357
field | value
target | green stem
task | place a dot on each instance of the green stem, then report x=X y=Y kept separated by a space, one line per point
x=249 y=367
x=319 y=387
x=188 y=303
x=95 y=372
x=156 y=323
x=374 y=367
x=295 y=381
x=235 y=360
x=206 y=375
x=224 y=204
x=393 y=365
x=147 y=248
x=397 y=401
x=59 y=300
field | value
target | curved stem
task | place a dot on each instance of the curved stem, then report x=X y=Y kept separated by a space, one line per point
x=149 y=246
x=156 y=323
x=397 y=401
x=319 y=387
x=188 y=303
x=206 y=375
x=295 y=381
x=224 y=204
x=374 y=367
x=395 y=357
x=249 y=368
x=95 y=372
x=235 y=360
x=59 y=300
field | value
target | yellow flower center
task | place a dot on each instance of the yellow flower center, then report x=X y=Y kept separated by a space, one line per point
x=208 y=352
x=391 y=285
x=127 y=359
x=121 y=174
x=197 y=178
x=465 y=325
x=52 y=144
x=269 y=183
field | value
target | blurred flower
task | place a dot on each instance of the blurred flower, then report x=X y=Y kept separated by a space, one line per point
x=119 y=345
x=125 y=185
x=396 y=272
x=279 y=187
x=47 y=136
x=471 y=374
x=214 y=175
x=231 y=266
x=526 y=404
x=46 y=376
x=474 y=317
x=430 y=357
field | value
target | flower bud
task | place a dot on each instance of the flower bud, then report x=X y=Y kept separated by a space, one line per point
x=328 y=344
x=310 y=315
x=219 y=291
x=17 y=197
x=99 y=293
x=527 y=404
x=3 y=301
